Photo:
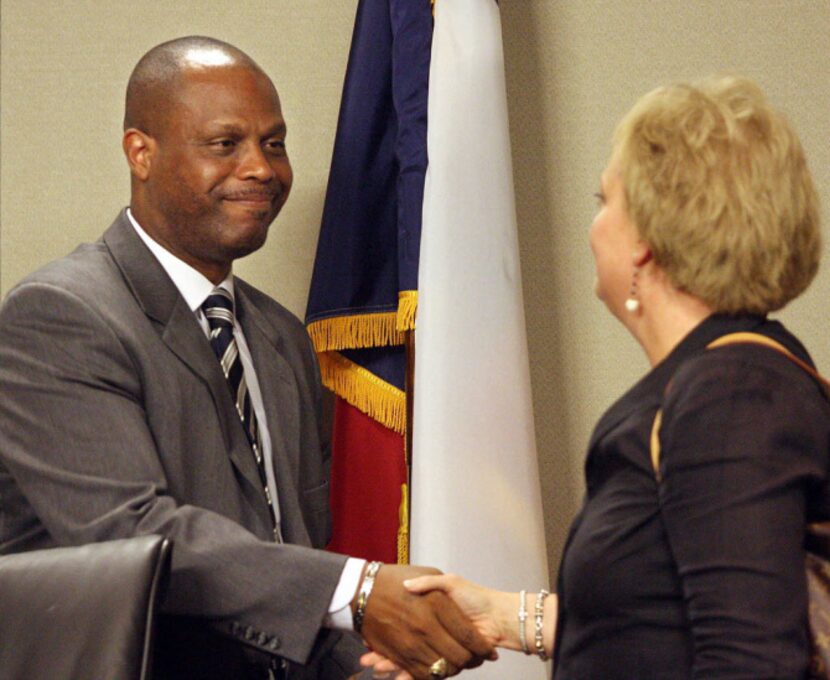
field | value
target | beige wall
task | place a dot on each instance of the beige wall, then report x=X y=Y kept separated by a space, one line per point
x=573 y=68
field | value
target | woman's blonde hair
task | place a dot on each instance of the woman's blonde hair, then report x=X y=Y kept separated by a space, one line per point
x=717 y=183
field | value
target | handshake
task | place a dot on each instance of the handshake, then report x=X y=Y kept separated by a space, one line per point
x=424 y=625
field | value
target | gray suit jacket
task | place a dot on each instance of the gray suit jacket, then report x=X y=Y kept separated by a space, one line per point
x=116 y=420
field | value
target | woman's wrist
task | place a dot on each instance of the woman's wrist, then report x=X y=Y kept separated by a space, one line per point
x=550 y=614
x=506 y=612
x=506 y=607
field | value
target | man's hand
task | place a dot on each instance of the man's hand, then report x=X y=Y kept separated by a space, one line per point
x=415 y=631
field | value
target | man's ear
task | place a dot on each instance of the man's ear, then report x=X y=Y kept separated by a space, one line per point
x=140 y=149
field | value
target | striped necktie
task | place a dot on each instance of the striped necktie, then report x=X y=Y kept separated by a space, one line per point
x=218 y=309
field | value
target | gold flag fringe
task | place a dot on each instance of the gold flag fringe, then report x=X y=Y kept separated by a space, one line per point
x=364 y=390
x=379 y=329
x=407 y=306
x=403 y=526
x=354 y=332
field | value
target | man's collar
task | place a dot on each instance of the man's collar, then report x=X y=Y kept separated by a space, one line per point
x=192 y=284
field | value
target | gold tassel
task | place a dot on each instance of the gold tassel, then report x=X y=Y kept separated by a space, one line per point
x=364 y=390
x=407 y=307
x=356 y=331
x=403 y=527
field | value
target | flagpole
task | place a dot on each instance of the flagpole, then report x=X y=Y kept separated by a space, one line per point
x=406 y=490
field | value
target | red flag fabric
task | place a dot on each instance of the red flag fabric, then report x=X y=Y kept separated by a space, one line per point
x=369 y=470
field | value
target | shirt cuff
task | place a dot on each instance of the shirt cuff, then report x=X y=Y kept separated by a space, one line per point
x=340 y=611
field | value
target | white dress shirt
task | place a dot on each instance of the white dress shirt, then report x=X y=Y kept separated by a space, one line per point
x=195 y=288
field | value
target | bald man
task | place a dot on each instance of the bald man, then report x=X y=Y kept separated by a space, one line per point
x=146 y=389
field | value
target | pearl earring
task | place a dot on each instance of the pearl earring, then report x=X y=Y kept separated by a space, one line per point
x=632 y=304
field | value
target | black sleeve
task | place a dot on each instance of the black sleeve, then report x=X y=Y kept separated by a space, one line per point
x=744 y=436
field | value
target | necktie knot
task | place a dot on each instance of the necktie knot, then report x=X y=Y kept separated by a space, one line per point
x=218 y=309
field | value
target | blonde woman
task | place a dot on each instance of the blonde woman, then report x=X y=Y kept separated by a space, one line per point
x=708 y=220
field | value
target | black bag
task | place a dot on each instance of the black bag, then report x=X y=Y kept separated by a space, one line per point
x=81 y=613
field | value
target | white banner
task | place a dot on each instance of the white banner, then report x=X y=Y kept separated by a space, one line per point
x=476 y=502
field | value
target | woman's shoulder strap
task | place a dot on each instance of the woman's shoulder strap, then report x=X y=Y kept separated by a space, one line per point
x=758 y=339
x=734 y=339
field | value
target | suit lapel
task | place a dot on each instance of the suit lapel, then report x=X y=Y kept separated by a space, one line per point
x=281 y=401
x=160 y=299
x=186 y=339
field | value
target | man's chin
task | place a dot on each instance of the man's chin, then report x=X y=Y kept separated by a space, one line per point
x=252 y=240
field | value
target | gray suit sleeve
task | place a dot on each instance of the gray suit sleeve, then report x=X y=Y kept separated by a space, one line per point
x=76 y=443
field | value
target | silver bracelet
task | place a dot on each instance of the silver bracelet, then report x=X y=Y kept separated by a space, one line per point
x=364 y=592
x=539 y=616
x=522 y=619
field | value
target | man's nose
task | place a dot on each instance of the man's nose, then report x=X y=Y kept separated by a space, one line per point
x=255 y=164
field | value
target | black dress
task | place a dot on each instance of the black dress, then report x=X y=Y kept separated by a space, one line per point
x=701 y=576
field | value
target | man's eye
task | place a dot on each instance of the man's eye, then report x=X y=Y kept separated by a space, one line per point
x=276 y=146
x=224 y=143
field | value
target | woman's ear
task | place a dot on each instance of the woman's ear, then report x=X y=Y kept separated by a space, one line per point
x=642 y=254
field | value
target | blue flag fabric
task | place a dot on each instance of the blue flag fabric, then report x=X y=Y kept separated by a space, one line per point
x=364 y=285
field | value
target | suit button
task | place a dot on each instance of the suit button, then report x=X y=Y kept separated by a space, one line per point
x=249 y=633
x=262 y=639
x=274 y=644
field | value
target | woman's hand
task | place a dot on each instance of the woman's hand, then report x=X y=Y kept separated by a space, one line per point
x=479 y=604
x=383 y=667
x=493 y=612
x=488 y=609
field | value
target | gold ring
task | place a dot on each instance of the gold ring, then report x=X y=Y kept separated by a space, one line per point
x=438 y=670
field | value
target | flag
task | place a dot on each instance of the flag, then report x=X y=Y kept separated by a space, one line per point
x=364 y=285
x=476 y=501
x=389 y=245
